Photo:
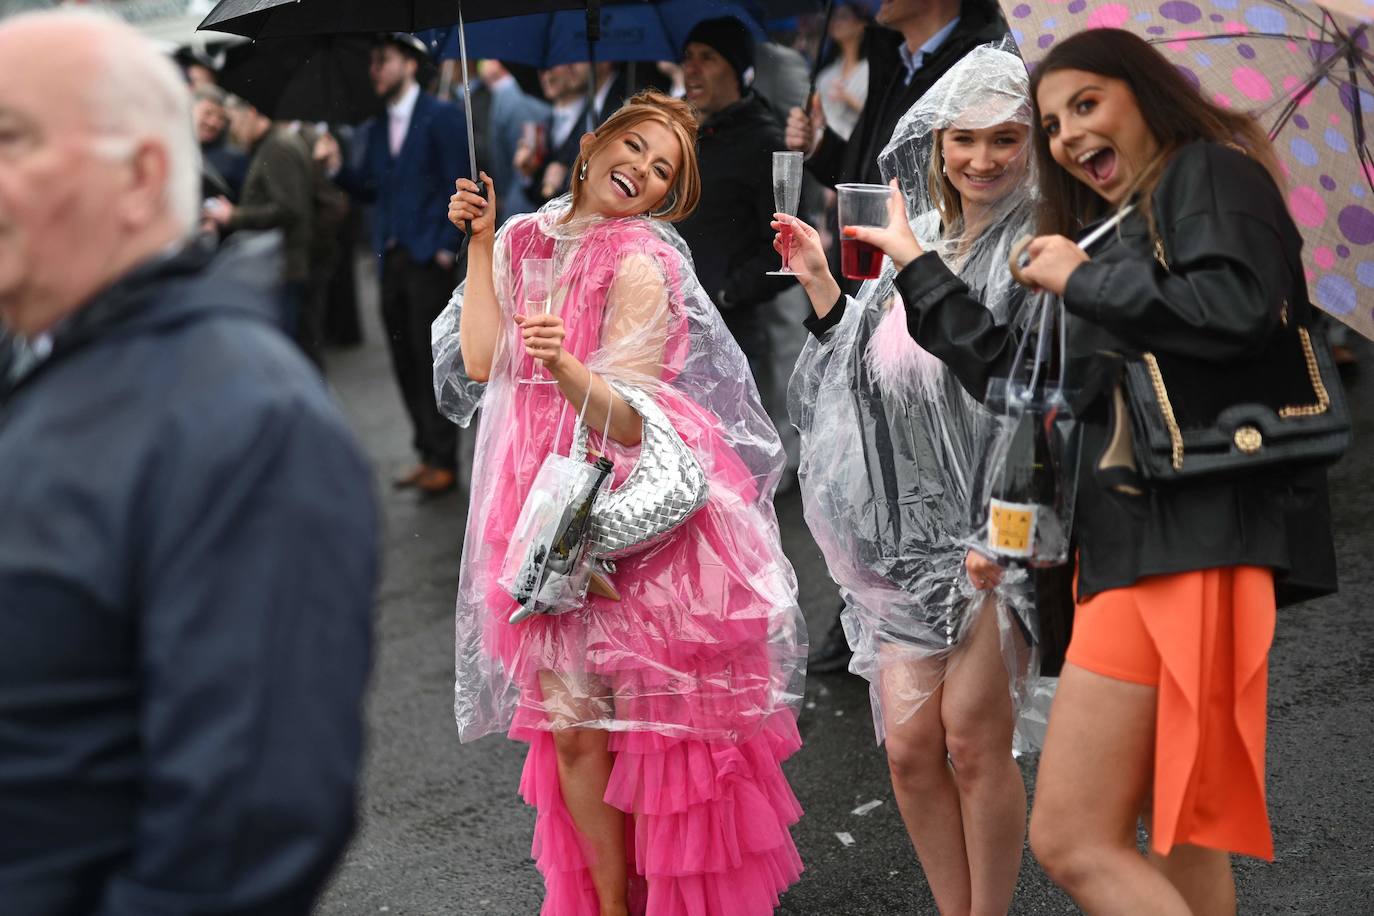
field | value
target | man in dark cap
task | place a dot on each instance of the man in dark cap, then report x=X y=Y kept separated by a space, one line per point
x=411 y=157
x=729 y=235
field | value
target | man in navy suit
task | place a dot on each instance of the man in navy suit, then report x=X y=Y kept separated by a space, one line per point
x=411 y=157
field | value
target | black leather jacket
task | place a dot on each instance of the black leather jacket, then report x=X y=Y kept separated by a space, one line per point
x=1231 y=240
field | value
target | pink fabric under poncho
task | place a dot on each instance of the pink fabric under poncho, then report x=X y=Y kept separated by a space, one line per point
x=697 y=670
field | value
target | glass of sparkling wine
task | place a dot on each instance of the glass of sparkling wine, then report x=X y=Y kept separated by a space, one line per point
x=536 y=282
x=787 y=182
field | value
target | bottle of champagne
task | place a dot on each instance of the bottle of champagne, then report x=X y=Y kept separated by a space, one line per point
x=1021 y=512
x=549 y=572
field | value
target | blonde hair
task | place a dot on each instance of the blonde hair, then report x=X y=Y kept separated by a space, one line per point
x=943 y=193
x=677 y=117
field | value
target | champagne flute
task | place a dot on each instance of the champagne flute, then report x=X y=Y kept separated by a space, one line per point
x=536 y=281
x=787 y=182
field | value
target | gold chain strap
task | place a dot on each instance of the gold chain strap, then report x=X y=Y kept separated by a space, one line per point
x=1165 y=408
x=1314 y=374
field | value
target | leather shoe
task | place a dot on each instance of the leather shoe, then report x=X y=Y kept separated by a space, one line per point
x=411 y=477
x=436 y=481
x=832 y=654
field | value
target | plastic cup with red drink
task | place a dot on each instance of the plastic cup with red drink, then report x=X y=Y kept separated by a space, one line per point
x=861 y=205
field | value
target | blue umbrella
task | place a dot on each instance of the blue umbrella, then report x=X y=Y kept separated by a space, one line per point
x=645 y=31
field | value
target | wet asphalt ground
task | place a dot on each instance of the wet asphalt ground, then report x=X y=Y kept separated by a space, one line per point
x=442 y=830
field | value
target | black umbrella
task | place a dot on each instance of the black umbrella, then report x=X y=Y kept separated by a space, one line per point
x=310 y=78
x=269 y=18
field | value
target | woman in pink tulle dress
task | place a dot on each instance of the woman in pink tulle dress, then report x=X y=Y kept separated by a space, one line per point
x=657 y=723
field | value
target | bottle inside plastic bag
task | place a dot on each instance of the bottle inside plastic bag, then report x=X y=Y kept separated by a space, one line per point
x=1023 y=508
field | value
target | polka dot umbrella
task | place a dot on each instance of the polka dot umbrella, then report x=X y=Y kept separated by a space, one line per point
x=1304 y=71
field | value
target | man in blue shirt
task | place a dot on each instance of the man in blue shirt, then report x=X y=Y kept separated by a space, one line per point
x=511 y=111
x=919 y=41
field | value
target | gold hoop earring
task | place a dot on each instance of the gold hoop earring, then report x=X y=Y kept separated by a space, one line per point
x=667 y=207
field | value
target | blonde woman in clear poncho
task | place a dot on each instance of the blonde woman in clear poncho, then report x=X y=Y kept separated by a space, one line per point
x=891 y=447
x=656 y=723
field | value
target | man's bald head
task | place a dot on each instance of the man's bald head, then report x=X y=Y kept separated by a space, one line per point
x=99 y=166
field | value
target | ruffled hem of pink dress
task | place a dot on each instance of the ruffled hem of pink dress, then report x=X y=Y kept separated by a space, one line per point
x=708 y=835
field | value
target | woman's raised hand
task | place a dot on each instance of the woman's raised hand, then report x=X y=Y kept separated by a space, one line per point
x=806 y=258
x=1052 y=259
x=896 y=239
x=805 y=254
x=467 y=205
x=543 y=337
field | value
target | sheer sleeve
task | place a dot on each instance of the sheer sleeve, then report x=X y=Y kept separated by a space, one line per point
x=638 y=317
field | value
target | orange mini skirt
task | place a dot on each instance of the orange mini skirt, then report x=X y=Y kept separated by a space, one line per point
x=1202 y=639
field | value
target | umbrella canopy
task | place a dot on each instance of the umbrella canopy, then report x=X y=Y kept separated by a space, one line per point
x=268 y=18
x=1356 y=9
x=316 y=78
x=1304 y=72
x=278 y=18
x=645 y=31
x=283 y=18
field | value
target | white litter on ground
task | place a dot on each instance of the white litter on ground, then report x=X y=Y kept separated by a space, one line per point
x=845 y=839
x=866 y=807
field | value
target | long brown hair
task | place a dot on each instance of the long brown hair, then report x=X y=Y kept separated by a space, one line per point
x=677 y=116
x=1174 y=111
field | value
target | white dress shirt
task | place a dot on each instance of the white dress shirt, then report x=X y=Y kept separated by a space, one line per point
x=398 y=118
x=565 y=118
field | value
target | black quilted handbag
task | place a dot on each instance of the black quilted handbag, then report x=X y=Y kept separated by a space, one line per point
x=1194 y=420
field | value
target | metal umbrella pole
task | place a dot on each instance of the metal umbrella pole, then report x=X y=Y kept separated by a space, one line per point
x=467 y=101
x=820 y=55
x=593 y=36
x=467 y=114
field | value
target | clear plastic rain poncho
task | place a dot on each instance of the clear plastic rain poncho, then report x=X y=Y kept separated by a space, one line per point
x=697 y=670
x=892 y=445
x=706 y=640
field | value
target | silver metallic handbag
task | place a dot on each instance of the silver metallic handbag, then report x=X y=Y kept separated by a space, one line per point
x=666 y=486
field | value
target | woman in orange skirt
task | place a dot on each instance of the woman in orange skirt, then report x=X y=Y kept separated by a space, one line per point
x=1160 y=709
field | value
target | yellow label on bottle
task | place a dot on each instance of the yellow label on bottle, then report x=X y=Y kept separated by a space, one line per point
x=1011 y=528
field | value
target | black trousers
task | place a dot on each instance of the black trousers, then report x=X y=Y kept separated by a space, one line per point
x=413 y=295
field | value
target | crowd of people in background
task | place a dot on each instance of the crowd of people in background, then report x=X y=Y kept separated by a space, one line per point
x=226 y=606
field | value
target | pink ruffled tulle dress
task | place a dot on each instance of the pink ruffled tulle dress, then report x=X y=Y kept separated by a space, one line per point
x=694 y=671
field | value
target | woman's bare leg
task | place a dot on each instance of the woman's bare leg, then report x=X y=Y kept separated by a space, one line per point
x=979 y=719
x=921 y=779
x=584 y=770
x=1203 y=876
x=1094 y=778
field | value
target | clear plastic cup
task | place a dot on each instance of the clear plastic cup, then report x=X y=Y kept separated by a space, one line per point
x=862 y=205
